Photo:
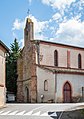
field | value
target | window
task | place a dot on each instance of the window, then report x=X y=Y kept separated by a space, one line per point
x=68 y=58
x=45 y=85
x=79 y=60
x=55 y=58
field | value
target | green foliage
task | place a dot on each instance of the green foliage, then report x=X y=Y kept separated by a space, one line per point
x=11 y=67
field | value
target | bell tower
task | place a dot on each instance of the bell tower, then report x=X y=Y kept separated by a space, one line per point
x=28 y=31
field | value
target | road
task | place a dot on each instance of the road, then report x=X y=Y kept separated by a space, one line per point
x=37 y=111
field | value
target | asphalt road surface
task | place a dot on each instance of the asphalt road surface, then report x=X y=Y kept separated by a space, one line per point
x=38 y=111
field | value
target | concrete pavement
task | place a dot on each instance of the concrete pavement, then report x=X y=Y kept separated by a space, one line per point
x=2 y=106
x=38 y=111
x=53 y=106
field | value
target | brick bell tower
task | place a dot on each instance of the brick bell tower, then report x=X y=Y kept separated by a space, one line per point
x=30 y=60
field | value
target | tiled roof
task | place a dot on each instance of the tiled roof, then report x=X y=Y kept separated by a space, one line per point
x=59 y=44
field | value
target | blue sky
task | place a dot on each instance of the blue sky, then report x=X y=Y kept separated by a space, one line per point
x=60 y=21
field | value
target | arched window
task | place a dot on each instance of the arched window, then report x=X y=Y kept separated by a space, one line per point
x=55 y=58
x=68 y=58
x=79 y=60
x=45 y=85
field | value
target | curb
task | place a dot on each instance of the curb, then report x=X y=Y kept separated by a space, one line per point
x=75 y=108
x=3 y=106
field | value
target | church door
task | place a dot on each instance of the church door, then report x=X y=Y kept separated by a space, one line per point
x=27 y=94
x=67 y=92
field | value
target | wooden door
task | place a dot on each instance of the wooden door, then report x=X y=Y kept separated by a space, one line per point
x=67 y=92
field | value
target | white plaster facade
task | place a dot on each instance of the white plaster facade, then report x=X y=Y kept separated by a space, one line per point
x=3 y=51
x=58 y=76
x=76 y=81
x=47 y=50
x=43 y=75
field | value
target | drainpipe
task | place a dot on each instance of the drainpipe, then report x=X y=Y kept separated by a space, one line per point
x=38 y=52
x=82 y=94
x=55 y=84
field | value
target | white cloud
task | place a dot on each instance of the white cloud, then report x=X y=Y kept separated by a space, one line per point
x=40 y=37
x=18 y=24
x=21 y=43
x=14 y=35
x=39 y=27
x=56 y=16
x=60 y=4
x=78 y=17
x=82 y=1
x=47 y=2
x=30 y=1
x=71 y=31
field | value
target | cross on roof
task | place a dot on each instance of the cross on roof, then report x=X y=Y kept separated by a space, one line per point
x=28 y=12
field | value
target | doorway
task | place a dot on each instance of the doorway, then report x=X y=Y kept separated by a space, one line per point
x=67 y=93
x=27 y=94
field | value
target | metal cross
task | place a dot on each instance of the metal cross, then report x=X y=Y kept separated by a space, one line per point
x=28 y=12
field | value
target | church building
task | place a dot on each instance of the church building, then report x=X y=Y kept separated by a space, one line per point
x=49 y=71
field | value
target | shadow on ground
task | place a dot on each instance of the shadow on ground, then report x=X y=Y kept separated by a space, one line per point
x=78 y=114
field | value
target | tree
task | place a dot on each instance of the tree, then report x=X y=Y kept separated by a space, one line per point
x=11 y=67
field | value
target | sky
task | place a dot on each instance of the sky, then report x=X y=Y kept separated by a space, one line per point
x=60 y=21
